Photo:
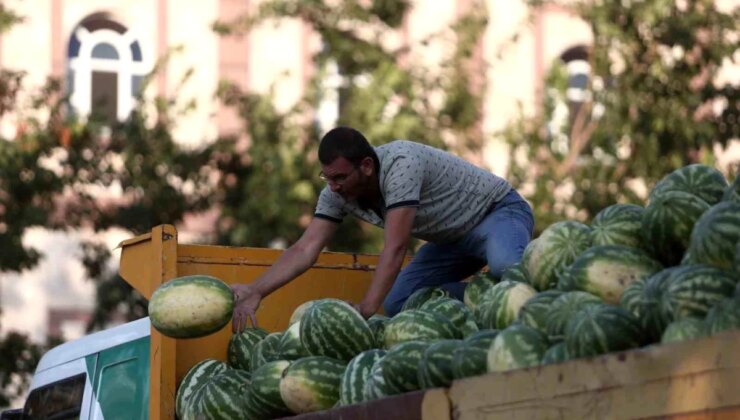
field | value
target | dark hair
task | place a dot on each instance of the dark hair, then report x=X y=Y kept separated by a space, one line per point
x=348 y=143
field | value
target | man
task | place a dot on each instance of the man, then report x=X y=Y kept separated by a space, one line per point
x=468 y=216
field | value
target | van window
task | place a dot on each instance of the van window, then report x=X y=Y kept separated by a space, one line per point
x=60 y=400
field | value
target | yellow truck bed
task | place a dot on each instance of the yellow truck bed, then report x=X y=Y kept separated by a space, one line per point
x=696 y=379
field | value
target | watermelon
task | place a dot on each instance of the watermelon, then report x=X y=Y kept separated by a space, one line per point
x=290 y=346
x=552 y=251
x=481 y=282
x=515 y=347
x=435 y=366
x=222 y=397
x=668 y=222
x=191 y=306
x=500 y=305
x=534 y=311
x=422 y=295
x=683 y=329
x=471 y=358
x=716 y=236
x=723 y=316
x=737 y=258
x=562 y=310
x=266 y=350
x=515 y=273
x=241 y=345
x=264 y=400
x=455 y=311
x=645 y=302
x=377 y=325
x=600 y=329
x=694 y=289
x=299 y=311
x=618 y=224
x=606 y=270
x=333 y=328
x=375 y=385
x=700 y=180
x=196 y=377
x=418 y=324
x=732 y=192
x=558 y=353
x=400 y=366
x=312 y=383
x=352 y=385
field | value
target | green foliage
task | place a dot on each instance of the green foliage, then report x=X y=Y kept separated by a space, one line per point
x=649 y=107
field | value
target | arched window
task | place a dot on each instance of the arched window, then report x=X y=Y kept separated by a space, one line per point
x=106 y=68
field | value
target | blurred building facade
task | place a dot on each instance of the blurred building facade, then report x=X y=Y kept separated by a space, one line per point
x=102 y=50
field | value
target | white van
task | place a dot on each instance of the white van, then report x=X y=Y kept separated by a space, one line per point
x=104 y=375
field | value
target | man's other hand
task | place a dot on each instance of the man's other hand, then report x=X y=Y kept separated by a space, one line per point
x=246 y=302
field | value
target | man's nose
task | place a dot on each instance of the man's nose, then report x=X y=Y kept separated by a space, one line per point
x=334 y=186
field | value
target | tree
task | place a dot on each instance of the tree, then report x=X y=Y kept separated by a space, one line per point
x=652 y=106
x=271 y=192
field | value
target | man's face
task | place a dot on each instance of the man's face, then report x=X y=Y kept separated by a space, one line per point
x=345 y=179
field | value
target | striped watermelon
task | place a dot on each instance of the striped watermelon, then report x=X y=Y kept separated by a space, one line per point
x=534 y=312
x=435 y=366
x=618 y=224
x=702 y=181
x=716 y=236
x=417 y=324
x=375 y=385
x=515 y=273
x=606 y=270
x=455 y=311
x=299 y=311
x=352 y=385
x=554 y=250
x=499 y=306
x=264 y=400
x=481 y=282
x=517 y=346
x=312 y=383
x=732 y=192
x=645 y=303
x=400 y=366
x=290 y=346
x=266 y=350
x=191 y=306
x=471 y=358
x=694 y=289
x=196 y=377
x=223 y=397
x=562 y=310
x=683 y=329
x=377 y=325
x=422 y=295
x=600 y=329
x=558 y=353
x=723 y=316
x=241 y=345
x=668 y=222
x=333 y=328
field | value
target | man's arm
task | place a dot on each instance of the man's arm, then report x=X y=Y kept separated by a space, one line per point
x=292 y=263
x=399 y=222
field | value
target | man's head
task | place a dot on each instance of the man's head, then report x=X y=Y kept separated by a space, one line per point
x=348 y=162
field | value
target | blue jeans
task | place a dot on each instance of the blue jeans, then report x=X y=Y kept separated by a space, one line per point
x=498 y=240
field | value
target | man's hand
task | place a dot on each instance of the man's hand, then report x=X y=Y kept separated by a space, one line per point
x=246 y=301
x=365 y=310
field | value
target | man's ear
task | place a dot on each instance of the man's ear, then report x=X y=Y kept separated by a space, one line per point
x=367 y=166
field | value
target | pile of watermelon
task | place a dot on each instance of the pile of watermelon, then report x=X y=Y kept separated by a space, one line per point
x=635 y=276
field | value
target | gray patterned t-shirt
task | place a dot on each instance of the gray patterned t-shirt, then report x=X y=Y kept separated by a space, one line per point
x=452 y=195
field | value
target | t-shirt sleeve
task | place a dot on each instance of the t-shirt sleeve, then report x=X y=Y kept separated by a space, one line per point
x=328 y=207
x=403 y=182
